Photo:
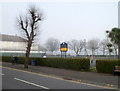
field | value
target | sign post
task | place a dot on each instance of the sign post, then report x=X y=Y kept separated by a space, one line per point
x=63 y=49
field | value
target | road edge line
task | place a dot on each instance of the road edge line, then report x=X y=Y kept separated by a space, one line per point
x=31 y=83
x=58 y=78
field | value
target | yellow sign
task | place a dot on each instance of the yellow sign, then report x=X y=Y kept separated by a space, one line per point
x=63 y=49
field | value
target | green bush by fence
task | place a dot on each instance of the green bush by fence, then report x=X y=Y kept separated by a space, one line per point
x=67 y=63
x=9 y=59
x=106 y=66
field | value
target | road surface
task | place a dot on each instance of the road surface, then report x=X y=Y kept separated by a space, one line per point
x=19 y=79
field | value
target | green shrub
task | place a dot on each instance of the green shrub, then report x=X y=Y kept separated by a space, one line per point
x=106 y=66
x=93 y=69
x=6 y=59
x=9 y=59
x=65 y=63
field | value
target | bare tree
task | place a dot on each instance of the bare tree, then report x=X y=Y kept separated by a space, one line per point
x=52 y=44
x=93 y=45
x=29 y=26
x=103 y=45
x=85 y=47
x=42 y=48
x=76 y=46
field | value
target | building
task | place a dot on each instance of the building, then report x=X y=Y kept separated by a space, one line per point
x=10 y=44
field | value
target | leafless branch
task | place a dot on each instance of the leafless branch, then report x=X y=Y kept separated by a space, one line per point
x=29 y=25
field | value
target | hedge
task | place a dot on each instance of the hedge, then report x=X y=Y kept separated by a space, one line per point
x=9 y=59
x=106 y=66
x=65 y=63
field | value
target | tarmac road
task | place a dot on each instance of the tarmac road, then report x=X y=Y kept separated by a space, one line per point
x=18 y=79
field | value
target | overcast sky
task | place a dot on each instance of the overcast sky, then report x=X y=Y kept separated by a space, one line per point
x=65 y=20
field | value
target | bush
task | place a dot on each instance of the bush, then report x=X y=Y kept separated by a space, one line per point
x=9 y=59
x=6 y=59
x=65 y=63
x=106 y=66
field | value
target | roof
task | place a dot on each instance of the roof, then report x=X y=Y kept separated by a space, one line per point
x=4 y=37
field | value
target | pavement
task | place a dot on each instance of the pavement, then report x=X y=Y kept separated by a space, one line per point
x=87 y=77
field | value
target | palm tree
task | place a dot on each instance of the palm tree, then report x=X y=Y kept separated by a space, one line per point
x=114 y=36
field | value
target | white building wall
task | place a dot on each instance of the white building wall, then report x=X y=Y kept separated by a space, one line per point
x=15 y=46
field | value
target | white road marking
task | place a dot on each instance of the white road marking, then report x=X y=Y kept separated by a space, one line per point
x=2 y=74
x=58 y=78
x=31 y=83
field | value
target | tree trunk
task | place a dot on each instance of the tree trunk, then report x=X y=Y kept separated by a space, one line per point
x=26 y=61
x=77 y=53
x=103 y=51
x=92 y=52
x=109 y=53
x=52 y=53
x=115 y=50
x=119 y=51
x=27 y=55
